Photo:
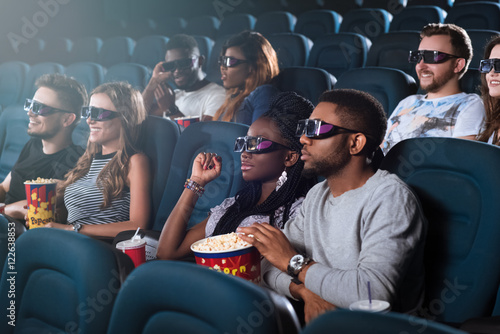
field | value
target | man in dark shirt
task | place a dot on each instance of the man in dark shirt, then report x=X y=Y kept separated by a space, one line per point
x=54 y=112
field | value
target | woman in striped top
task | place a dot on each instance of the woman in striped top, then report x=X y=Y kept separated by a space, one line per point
x=109 y=189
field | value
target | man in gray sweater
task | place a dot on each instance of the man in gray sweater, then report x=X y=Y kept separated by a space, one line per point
x=357 y=226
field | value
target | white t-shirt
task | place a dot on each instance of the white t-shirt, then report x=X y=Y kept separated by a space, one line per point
x=456 y=115
x=204 y=101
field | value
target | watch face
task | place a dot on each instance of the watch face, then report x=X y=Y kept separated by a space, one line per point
x=297 y=261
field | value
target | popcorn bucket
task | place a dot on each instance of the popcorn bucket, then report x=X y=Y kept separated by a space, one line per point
x=41 y=199
x=187 y=121
x=242 y=262
x=135 y=249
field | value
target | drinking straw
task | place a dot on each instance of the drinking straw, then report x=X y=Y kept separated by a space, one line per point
x=136 y=237
x=369 y=294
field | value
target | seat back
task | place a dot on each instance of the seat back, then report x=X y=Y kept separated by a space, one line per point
x=459 y=197
x=80 y=135
x=358 y=322
x=86 y=49
x=337 y=53
x=236 y=23
x=341 y=7
x=13 y=136
x=471 y=81
x=30 y=51
x=392 y=49
x=203 y=25
x=116 y=50
x=12 y=77
x=388 y=85
x=444 y=4
x=292 y=49
x=275 y=22
x=205 y=45
x=136 y=74
x=308 y=82
x=475 y=15
x=479 y=38
x=191 y=299
x=34 y=73
x=150 y=50
x=369 y=22
x=392 y=6
x=170 y=26
x=57 y=50
x=199 y=137
x=89 y=74
x=316 y=23
x=53 y=289
x=416 y=17
x=160 y=137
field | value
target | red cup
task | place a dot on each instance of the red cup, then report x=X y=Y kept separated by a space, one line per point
x=2 y=208
x=187 y=121
x=135 y=249
x=243 y=262
x=41 y=198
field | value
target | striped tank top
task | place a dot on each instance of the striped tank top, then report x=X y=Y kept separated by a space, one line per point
x=83 y=198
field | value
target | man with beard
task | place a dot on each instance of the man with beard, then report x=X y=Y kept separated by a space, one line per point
x=195 y=96
x=442 y=58
x=54 y=112
x=357 y=226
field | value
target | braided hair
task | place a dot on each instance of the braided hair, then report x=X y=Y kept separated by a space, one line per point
x=285 y=111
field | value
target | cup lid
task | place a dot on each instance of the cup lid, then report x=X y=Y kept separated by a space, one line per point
x=131 y=243
x=375 y=306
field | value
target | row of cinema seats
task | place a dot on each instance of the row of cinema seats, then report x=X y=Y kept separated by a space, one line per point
x=98 y=291
x=459 y=197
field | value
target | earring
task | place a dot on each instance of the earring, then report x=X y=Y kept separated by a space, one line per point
x=281 y=180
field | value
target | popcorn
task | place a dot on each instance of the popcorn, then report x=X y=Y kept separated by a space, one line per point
x=42 y=180
x=223 y=242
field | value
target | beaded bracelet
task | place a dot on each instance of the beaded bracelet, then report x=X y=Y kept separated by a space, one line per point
x=195 y=187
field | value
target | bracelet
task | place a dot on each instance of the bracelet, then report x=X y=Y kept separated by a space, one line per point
x=194 y=187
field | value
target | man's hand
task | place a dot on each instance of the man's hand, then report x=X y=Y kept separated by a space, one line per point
x=270 y=242
x=165 y=97
x=314 y=305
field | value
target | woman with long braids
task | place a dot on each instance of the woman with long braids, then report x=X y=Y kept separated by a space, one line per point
x=271 y=166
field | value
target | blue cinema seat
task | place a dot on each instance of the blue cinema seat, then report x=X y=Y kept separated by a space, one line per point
x=64 y=282
x=445 y=4
x=184 y=298
x=86 y=49
x=57 y=50
x=292 y=49
x=337 y=53
x=458 y=190
x=136 y=74
x=358 y=322
x=316 y=23
x=369 y=22
x=205 y=45
x=475 y=15
x=203 y=25
x=12 y=77
x=387 y=85
x=13 y=136
x=170 y=26
x=479 y=38
x=36 y=71
x=341 y=7
x=116 y=50
x=414 y=18
x=392 y=6
x=199 y=137
x=150 y=50
x=275 y=22
x=89 y=74
x=235 y=23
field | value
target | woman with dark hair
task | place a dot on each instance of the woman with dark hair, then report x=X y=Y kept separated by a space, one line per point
x=108 y=191
x=490 y=91
x=248 y=63
x=271 y=166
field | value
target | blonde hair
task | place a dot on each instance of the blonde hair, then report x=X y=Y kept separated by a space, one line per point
x=112 y=179
x=264 y=63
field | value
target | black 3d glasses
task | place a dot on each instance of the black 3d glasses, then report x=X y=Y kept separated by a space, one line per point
x=429 y=56
x=318 y=129
x=257 y=145
x=179 y=64
x=41 y=109
x=225 y=61
x=486 y=65
x=98 y=114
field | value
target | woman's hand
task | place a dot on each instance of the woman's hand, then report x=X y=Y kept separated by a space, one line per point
x=59 y=226
x=206 y=168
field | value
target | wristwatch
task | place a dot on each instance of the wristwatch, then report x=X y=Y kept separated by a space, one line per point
x=77 y=227
x=295 y=266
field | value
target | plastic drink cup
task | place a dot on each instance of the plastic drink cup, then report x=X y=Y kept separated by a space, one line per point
x=41 y=198
x=375 y=306
x=2 y=208
x=135 y=248
x=187 y=121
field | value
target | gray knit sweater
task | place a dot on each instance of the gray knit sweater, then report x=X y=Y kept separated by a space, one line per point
x=373 y=233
